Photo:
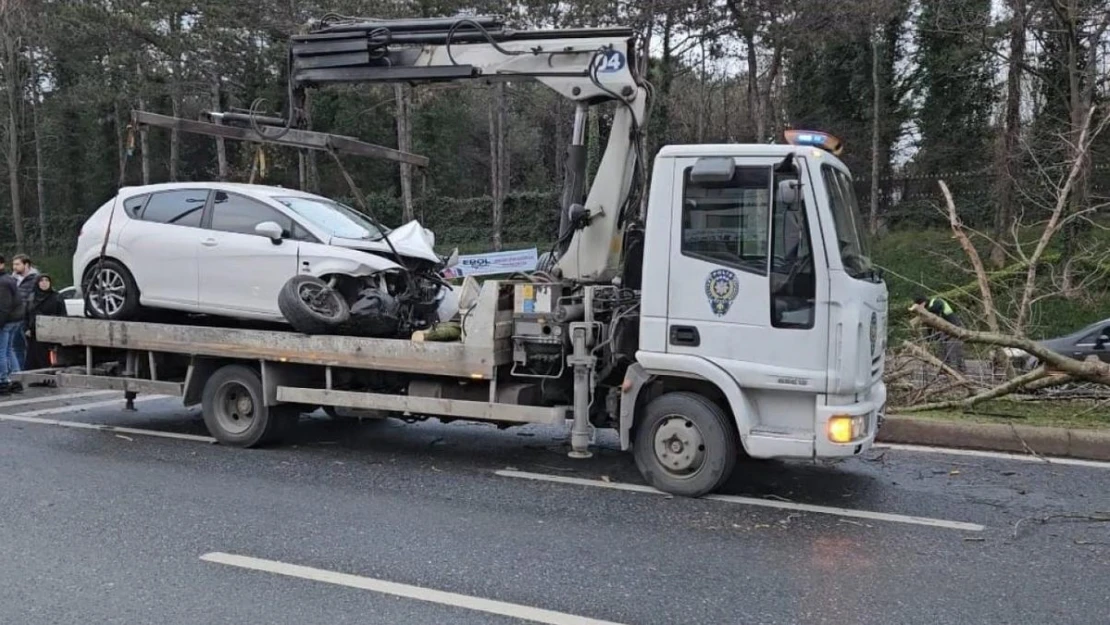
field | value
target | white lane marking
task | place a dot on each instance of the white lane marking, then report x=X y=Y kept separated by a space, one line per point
x=752 y=501
x=56 y=397
x=1074 y=462
x=79 y=407
x=106 y=428
x=490 y=606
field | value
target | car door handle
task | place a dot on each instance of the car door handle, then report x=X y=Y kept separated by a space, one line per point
x=685 y=335
x=209 y=242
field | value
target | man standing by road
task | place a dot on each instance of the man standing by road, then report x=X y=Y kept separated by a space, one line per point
x=952 y=348
x=25 y=277
x=11 y=324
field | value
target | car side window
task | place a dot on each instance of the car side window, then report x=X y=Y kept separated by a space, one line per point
x=178 y=208
x=235 y=213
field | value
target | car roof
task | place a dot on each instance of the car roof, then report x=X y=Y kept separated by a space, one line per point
x=247 y=189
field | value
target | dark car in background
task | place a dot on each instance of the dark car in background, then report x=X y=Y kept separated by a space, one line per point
x=1092 y=340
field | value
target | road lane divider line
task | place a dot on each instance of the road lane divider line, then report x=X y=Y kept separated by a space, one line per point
x=96 y=404
x=419 y=593
x=106 y=428
x=42 y=399
x=753 y=501
x=1001 y=455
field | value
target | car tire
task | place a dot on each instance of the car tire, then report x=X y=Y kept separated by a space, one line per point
x=327 y=312
x=122 y=302
x=705 y=444
x=235 y=411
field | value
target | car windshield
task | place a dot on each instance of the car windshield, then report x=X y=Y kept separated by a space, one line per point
x=335 y=218
x=855 y=253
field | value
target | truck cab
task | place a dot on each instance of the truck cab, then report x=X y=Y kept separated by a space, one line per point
x=758 y=293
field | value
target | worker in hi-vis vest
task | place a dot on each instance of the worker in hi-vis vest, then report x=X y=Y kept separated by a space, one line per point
x=952 y=348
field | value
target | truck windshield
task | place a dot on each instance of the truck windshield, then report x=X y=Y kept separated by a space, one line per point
x=337 y=219
x=855 y=253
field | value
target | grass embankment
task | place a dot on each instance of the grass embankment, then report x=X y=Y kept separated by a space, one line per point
x=1088 y=414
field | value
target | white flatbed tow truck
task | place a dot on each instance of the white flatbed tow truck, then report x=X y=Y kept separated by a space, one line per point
x=739 y=314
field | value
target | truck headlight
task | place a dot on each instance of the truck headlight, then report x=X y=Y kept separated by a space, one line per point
x=845 y=428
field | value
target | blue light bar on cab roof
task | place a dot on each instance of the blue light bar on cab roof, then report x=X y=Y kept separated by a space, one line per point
x=822 y=140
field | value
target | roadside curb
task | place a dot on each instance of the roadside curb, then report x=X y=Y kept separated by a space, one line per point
x=1049 y=441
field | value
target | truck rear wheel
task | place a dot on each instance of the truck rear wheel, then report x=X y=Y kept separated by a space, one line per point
x=685 y=444
x=236 y=413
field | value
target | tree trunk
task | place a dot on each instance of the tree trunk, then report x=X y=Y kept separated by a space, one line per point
x=15 y=88
x=221 y=145
x=498 y=111
x=755 y=112
x=313 y=168
x=121 y=146
x=1008 y=141
x=40 y=184
x=175 y=136
x=876 y=133
x=175 y=94
x=404 y=144
x=144 y=147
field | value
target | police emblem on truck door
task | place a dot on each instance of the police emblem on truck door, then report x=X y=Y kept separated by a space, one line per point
x=721 y=288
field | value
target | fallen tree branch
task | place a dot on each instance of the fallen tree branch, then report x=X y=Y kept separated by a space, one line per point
x=993 y=393
x=1090 y=370
x=989 y=310
x=923 y=354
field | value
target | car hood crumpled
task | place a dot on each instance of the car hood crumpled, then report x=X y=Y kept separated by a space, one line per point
x=411 y=240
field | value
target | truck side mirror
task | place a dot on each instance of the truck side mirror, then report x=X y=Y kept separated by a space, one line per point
x=712 y=169
x=789 y=191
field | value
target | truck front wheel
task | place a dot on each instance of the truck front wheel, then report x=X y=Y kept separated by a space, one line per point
x=685 y=444
x=235 y=412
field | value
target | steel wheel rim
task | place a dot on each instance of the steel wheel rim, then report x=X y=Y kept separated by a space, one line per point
x=679 y=446
x=108 y=291
x=235 y=408
x=318 y=299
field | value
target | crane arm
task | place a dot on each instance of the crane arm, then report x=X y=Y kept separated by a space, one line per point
x=588 y=66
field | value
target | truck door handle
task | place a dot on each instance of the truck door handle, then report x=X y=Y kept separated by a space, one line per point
x=209 y=242
x=685 y=335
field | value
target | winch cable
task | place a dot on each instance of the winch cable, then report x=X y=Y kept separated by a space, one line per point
x=366 y=210
x=95 y=274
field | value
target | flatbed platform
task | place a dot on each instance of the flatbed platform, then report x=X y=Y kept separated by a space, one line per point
x=474 y=359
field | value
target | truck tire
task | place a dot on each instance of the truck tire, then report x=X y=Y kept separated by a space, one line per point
x=236 y=414
x=685 y=444
x=311 y=306
x=121 y=294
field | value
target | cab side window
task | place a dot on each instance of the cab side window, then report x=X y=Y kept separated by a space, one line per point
x=726 y=223
x=793 y=278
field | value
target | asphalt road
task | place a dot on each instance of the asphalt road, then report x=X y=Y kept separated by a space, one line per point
x=121 y=527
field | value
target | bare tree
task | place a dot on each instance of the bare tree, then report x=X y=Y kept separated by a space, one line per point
x=404 y=143
x=13 y=22
x=499 y=159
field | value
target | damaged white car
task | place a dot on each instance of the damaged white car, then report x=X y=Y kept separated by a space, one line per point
x=260 y=253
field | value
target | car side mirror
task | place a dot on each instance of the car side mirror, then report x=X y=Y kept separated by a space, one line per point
x=1100 y=342
x=270 y=230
